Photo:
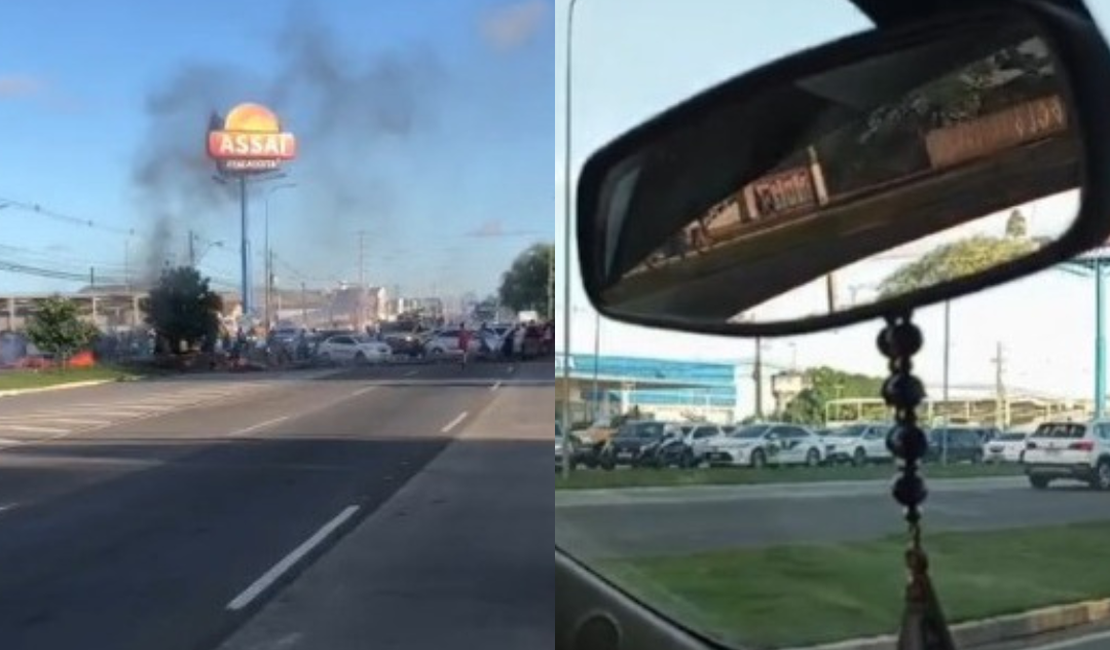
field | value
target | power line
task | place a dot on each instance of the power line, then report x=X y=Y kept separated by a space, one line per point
x=63 y=218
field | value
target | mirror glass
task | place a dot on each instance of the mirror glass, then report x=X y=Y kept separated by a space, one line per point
x=940 y=158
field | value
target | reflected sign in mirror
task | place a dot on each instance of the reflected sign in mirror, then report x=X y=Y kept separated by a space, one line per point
x=935 y=160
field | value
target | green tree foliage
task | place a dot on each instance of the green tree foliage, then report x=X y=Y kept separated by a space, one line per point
x=1016 y=226
x=526 y=284
x=183 y=309
x=954 y=260
x=824 y=384
x=888 y=143
x=57 y=329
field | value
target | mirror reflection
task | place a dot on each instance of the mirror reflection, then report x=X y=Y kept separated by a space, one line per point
x=924 y=165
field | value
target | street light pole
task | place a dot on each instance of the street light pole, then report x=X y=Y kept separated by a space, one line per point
x=567 y=239
x=269 y=253
x=944 y=389
x=597 y=353
x=245 y=248
x=1100 y=339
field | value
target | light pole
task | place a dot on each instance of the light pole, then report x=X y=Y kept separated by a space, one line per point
x=568 y=227
x=597 y=355
x=269 y=257
x=1094 y=264
x=244 y=248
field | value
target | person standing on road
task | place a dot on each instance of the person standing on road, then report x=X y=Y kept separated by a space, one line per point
x=464 y=342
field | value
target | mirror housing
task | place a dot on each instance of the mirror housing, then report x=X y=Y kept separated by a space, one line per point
x=1080 y=56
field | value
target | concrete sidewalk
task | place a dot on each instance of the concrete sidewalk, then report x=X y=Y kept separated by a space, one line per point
x=458 y=558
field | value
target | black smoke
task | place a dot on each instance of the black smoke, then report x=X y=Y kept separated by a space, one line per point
x=341 y=104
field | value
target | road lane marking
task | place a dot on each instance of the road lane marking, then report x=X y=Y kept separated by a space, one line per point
x=261 y=425
x=363 y=391
x=495 y=386
x=454 y=423
x=509 y=370
x=7 y=442
x=24 y=428
x=412 y=373
x=287 y=562
x=7 y=506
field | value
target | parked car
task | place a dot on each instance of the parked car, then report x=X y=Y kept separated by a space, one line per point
x=759 y=445
x=347 y=348
x=559 y=451
x=676 y=448
x=445 y=343
x=403 y=338
x=858 y=444
x=1006 y=448
x=1078 y=451
x=627 y=445
x=956 y=444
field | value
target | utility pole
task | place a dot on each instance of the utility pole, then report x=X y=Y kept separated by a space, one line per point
x=269 y=286
x=999 y=361
x=361 y=279
x=757 y=375
x=304 y=306
x=192 y=249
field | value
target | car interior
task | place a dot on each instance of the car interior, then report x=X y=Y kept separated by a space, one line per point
x=638 y=193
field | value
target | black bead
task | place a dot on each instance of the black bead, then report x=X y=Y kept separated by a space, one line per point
x=883 y=342
x=909 y=490
x=905 y=339
x=903 y=391
x=907 y=441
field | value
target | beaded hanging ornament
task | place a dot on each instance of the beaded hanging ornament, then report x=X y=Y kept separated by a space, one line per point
x=923 y=623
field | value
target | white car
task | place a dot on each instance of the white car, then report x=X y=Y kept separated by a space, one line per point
x=349 y=348
x=700 y=440
x=1078 y=451
x=1006 y=448
x=859 y=444
x=445 y=342
x=759 y=445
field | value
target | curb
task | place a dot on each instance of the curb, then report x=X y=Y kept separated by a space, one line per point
x=1001 y=628
x=50 y=389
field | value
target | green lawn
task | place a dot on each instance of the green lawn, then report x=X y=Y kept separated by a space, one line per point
x=599 y=479
x=19 y=379
x=798 y=595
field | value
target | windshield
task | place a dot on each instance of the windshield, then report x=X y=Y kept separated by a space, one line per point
x=204 y=206
x=1060 y=431
x=795 y=541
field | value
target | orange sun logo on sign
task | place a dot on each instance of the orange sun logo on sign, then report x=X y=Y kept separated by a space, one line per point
x=251 y=140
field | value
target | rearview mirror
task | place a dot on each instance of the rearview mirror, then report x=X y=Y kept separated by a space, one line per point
x=871 y=176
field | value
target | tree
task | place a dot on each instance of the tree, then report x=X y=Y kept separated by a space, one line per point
x=954 y=260
x=57 y=329
x=825 y=384
x=183 y=309
x=1016 y=226
x=526 y=284
x=888 y=142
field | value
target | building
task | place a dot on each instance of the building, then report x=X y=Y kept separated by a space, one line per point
x=604 y=386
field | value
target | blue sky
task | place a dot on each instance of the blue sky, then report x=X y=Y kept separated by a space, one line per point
x=630 y=65
x=442 y=135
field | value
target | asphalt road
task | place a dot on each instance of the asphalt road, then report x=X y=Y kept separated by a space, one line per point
x=166 y=514
x=669 y=521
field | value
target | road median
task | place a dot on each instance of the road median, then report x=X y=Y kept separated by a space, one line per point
x=591 y=479
x=995 y=586
x=24 y=382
